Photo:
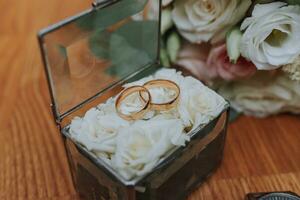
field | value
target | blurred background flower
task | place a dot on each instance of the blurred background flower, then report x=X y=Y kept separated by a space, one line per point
x=227 y=44
x=272 y=35
x=213 y=64
x=293 y=69
x=218 y=58
x=204 y=20
x=264 y=94
x=166 y=2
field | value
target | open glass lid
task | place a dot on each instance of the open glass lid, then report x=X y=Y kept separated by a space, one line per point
x=94 y=51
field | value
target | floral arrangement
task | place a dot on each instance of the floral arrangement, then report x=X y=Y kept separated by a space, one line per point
x=249 y=51
x=134 y=148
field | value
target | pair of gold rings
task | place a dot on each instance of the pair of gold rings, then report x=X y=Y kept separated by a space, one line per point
x=146 y=98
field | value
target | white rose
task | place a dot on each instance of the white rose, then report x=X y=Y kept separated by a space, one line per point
x=170 y=74
x=272 y=35
x=203 y=20
x=97 y=129
x=199 y=104
x=264 y=94
x=142 y=145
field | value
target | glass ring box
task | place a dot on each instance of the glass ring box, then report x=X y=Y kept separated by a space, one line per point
x=88 y=58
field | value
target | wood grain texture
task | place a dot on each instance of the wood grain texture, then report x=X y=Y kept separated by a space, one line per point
x=260 y=154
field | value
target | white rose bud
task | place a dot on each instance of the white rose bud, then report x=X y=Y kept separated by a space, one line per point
x=233 y=41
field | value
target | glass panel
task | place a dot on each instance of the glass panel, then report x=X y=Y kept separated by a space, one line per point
x=92 y=52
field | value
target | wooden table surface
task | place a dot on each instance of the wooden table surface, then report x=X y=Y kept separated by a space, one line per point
x=260 y=154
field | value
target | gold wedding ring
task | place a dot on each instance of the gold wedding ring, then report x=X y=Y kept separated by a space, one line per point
x=127 y=92
x=162 y=83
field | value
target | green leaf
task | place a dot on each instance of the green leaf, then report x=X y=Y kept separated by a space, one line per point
x=173 y=46
x=62 y=50
x=234 y=114
x=125 y=58
x=164 y=58
x=133 y=46
x=166 y=20
x=293 y=2
x=100 y=19
x=262 y=1
x=99 y=44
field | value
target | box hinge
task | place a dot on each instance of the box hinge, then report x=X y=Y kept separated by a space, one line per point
x=100 y=3
x=57 y=118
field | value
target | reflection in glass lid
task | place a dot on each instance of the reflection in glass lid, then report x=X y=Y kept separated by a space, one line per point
x=93 y=51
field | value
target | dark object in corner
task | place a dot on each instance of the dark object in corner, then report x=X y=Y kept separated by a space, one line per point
x=272 y=196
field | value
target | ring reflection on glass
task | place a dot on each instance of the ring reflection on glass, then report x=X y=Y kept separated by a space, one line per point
x=127 y=92
x=167 y=84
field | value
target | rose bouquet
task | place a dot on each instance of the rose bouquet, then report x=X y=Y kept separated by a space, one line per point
x=249 y=51
x=133 y=148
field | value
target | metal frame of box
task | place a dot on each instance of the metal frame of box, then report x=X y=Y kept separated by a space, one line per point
x=174 y=177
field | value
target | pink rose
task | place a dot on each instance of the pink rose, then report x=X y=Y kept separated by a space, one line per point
x=209 y=63
x=225 y=69
x=193 y=58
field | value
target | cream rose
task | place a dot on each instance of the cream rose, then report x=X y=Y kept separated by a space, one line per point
x=98 y=128
x=204 y=20
x=264 y=94
x=141 y=146
x=272 y=35
x=198 y=104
